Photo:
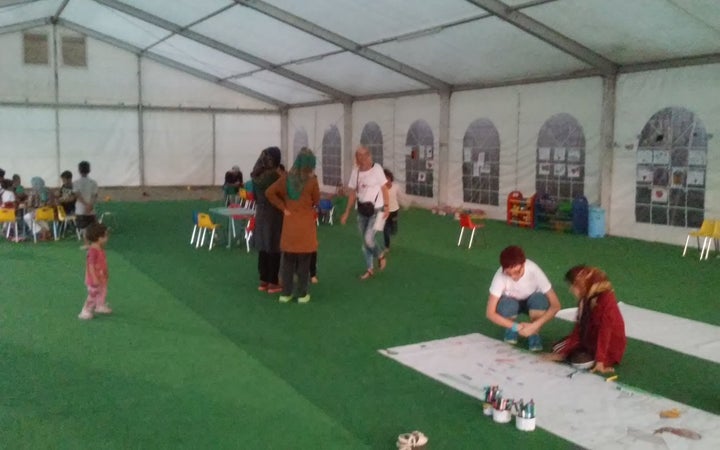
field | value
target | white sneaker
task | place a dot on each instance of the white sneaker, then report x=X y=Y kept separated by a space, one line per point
x=103 y=309
x=85 y=314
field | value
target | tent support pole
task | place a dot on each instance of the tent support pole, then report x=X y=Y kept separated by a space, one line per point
x=607 y=143
x=347 y=143
x=56 y=107
x=443 y=155
x=141 y=129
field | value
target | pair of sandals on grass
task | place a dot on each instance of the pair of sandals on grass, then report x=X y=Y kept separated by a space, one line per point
x=382 y=262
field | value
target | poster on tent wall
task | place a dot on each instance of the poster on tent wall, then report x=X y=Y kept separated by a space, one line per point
x=416 y=147
x=27 y=144
x=665 y=178
x=559 y=143
x=178 y=149
x=239 y=139
x=108 y=140
x=483 y=149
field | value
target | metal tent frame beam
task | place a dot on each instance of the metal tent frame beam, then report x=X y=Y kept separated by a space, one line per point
x=169 y=62
x=546 y=34
x=219 y=46
x=342 y=42
x=22 y=26
x=6 y=3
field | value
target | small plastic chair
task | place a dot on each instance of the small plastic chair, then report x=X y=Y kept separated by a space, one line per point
x=249 y=229
x=249 y=200
x=205 y=223
x=705 y=232
x=63 y=220
x=44 y=214
x=466 y=223
x=8 y=219
x=326 y=210
x=196 y=229
x=714 y=238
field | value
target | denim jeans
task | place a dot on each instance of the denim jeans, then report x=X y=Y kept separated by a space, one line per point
x=371 y=247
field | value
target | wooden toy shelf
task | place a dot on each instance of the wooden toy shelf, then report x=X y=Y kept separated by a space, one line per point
x=520 y=210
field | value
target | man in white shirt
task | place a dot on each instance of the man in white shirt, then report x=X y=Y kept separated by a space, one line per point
x=367 y=186
x=86 y=193
x=520 y=286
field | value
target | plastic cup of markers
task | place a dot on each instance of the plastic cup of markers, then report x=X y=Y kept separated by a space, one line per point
x=488 y=409
x=501 y=415
x=525 y=423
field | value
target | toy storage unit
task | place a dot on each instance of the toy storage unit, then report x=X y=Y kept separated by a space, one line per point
x=563 y=216
x=520 y=210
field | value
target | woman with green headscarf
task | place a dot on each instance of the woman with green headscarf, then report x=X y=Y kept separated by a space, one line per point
x=296 y=195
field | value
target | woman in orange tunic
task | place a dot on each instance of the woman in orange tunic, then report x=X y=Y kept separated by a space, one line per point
x=296 y=195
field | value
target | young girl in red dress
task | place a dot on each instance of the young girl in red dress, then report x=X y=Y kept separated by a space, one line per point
x=96 y=272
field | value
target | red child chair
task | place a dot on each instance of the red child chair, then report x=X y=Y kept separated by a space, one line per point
x=467 y=223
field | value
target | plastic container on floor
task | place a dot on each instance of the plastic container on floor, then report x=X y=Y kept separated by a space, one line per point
x=596 y=222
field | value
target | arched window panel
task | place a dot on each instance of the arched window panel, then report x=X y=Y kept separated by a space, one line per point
x=481 y=163
x=560 y=165
x=371 y=138
x=671 y=169
x=419 y=160
x=300 y=140
x=332 y=157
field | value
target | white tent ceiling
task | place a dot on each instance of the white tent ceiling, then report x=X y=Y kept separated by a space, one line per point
x=304 y=52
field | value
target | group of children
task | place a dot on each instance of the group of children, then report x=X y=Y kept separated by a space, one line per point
x=76 y=199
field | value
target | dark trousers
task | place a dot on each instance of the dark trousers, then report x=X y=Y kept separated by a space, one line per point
x=391 y=227
x=313 y=264
x=269 y=267
x=296 y=264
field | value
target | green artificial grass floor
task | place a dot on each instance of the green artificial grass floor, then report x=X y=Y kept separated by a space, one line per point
x=195 y=357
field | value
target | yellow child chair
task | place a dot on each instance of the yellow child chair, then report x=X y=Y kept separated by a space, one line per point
x=8 y=219
x=45 y=214
x=705 y=232
x=205 y=223
x=64 y=220
x=714 y=238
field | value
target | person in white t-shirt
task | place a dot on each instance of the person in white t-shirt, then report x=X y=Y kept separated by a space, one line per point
x=368 y=186
x=520 y=286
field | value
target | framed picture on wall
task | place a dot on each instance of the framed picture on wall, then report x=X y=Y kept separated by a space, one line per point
x=696 y=158
x=574 y=170
x=696 y=178
x=544 y=154
x=559 y=154
x=544 y=169
x=644 y=157
x=573 y=155
x=661 y=157
x=559 y=170
x=659 y=195
x=644 y=174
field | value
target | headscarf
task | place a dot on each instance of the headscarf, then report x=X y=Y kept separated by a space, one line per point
x=38 y=185
x=264 y=172
x=591 y=282
x=300 y=172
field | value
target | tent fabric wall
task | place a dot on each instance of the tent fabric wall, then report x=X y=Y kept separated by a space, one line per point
x=239 y=140
x=110 y=77
x=27 y=143
x=107 y=139
x=639 y=97
x=24 y=82
x=163 y=86
x=178 y=149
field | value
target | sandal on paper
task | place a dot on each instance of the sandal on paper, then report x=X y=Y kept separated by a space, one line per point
x=367 y=275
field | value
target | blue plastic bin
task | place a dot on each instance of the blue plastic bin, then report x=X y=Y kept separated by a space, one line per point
x=596 y=222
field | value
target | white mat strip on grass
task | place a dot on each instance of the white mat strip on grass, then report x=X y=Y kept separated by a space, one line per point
x=584 y=409
x=676 y=333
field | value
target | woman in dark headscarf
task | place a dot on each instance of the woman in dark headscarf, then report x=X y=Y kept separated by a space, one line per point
x=268 y=220
x=599 y=333
x=296 y=196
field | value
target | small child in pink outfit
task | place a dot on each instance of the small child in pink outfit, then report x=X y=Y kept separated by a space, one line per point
x=96 y=272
